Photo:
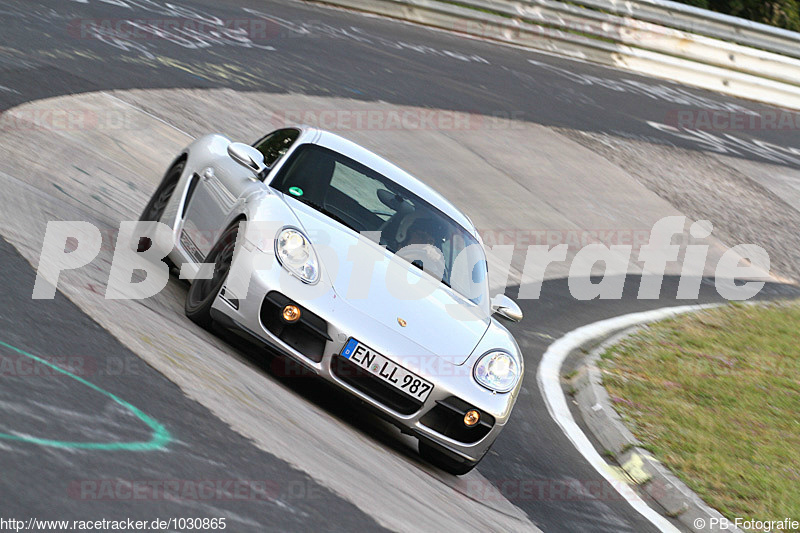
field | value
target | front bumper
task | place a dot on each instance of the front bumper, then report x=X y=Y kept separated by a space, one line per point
x=437 y=420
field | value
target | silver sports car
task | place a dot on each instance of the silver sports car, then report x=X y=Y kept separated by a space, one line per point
x=316 y=247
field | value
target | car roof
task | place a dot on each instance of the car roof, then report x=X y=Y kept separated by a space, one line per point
x=366 y=157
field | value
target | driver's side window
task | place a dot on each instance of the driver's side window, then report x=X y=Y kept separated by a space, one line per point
x=276 y=144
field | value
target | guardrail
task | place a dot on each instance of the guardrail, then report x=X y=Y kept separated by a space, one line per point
x=704 y=22
x=654 y=37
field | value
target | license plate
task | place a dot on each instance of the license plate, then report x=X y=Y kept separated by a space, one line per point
x=387 y=370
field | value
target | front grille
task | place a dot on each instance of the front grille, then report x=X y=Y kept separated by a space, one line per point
x=447 y=418
x=308 y=335
x=374 y=387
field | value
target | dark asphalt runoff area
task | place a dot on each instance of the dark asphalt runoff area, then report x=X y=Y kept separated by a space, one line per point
x=47 y=51
x=312 y=51
x=200 y=468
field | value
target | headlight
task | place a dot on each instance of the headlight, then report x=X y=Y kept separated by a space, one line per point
x=295 y=254
x=497 y=371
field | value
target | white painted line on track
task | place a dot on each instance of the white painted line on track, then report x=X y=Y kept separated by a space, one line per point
x=147 y=113
x=548 y=377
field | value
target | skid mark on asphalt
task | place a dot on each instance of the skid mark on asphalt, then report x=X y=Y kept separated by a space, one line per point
x=160 y=437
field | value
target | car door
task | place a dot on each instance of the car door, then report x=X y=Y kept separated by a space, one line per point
x=226 y=183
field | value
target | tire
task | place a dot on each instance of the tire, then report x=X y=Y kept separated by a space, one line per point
x=435 y=456
x=154 y=209
x=202 y=292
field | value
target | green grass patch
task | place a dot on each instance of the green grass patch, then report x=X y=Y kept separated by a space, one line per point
x=716 y=397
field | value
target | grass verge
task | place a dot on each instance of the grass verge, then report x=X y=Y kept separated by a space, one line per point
x=716 y=397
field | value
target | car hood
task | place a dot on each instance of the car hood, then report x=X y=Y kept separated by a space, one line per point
x=434 y=321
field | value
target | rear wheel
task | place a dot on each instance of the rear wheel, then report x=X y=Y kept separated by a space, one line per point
x=202 y=292
x=435 y=456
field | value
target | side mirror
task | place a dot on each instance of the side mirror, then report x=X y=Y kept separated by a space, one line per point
x=506 y=308
x=248 y=157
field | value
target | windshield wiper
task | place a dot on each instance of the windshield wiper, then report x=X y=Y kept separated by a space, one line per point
x=419 y=264
x=325 y=211
x=337 y=218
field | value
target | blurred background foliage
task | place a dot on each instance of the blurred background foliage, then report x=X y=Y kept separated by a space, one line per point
x=782 y=13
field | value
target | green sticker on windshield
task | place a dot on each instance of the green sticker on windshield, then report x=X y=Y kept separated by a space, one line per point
x=297 y=191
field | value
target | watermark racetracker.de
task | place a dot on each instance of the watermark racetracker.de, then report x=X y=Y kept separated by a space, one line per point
x=725 y=120
x=379 y=119
x=14 y=365
x=67 y=119
x=189 y=490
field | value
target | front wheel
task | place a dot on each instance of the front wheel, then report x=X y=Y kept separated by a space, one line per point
x=432 y=454
x=158 y=202
x=202 y=292
x=155 y=208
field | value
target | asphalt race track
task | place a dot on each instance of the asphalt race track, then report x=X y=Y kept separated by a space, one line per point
x=66 y=483
x=178 y=405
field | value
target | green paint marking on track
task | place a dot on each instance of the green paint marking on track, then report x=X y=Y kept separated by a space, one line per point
x=160 y=439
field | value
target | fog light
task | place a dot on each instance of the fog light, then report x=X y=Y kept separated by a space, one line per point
x=471 y=418
x=291 y=313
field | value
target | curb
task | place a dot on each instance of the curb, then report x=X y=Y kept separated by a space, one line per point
x=605 y=424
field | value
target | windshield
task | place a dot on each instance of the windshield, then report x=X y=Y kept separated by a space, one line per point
x=371 y=204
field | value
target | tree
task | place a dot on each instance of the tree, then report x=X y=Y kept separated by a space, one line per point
x=781 y=13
